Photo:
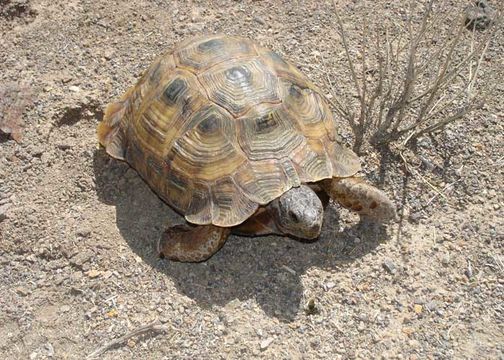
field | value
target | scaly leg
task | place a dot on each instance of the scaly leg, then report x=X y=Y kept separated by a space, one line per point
x=355 y=194
x=188 y=243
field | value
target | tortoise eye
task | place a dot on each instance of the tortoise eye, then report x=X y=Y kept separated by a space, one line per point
x=293 y=216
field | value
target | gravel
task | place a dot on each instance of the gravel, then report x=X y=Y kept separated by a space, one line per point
x=77 y=229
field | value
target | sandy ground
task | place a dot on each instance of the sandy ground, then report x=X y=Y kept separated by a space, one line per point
x=77 y=229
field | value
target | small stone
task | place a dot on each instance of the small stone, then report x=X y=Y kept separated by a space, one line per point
x=415 y=217
x=468 y=271
x=109 y=54
x=311 y=308
x=390 y=266
x=50 y=350
x=112 y=313
x=431 y=306
x=74 y=88
x=36 y=151
x=65 y=145
x=93 y=273
x=361 y=326
x=65 y=308
x=408 y=330
x=266 y=343
x=22 y=291
x=3 y=211
x=259 y=20
x=329 y=285
x=83 y=232
x=81 y=258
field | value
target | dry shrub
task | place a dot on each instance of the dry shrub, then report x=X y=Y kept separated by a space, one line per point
x=413 y=79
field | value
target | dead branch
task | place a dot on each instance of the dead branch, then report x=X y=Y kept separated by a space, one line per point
x=155 y=327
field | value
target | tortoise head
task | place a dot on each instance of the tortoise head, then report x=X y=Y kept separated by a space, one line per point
x=299 y=213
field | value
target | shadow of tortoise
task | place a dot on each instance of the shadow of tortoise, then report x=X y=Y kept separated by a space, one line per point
x=267 y=269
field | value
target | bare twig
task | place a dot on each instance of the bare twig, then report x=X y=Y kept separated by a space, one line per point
x=154 y=326
x=398 y=93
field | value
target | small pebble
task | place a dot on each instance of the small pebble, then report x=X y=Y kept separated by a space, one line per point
x=93 y=273
x=3 y=211
x=259 y=20
x=22 y=291
x=83 y=232
x=329 y=285
x=266 y=343
x=81 y=258
x=390 y=266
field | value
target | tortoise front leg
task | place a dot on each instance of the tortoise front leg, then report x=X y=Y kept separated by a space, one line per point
x=357 y=195
x=189 y=243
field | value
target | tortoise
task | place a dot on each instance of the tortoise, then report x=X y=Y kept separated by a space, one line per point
x=237 y=140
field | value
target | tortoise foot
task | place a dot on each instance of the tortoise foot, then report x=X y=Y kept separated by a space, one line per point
x=191 y=243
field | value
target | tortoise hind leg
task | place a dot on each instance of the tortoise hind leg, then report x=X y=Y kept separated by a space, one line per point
x=188 y=243
x=357 y=195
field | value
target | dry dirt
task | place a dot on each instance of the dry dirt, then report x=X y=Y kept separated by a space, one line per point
x=77 y=229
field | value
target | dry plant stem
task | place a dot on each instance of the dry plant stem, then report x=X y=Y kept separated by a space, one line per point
x=472 y=105
x=399 y=107
x=391 y=107
x=154 y=326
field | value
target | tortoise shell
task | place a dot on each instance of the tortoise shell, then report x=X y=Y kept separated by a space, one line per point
x=220 y=125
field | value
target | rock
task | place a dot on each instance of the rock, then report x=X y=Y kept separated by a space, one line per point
x=109 y=54
x=3 y=211
x=81 y=258
x=431 y=306
x=22 y=291
x=74 y=88
x=418 y=309
x=66 y=79
x=36 y=151
x=83 y=232
x=259 y=20
x=65 y=145
x=93 y=273
x=311 y=308
x=50 y=350
x=329 y=285
x=389 y=266
x=469 y=271
x=266 y=343
x=408 y=330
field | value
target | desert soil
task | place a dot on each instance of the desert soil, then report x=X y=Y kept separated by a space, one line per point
x=77 y=229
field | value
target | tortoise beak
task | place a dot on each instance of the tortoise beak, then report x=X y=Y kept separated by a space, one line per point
x=313 y=231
